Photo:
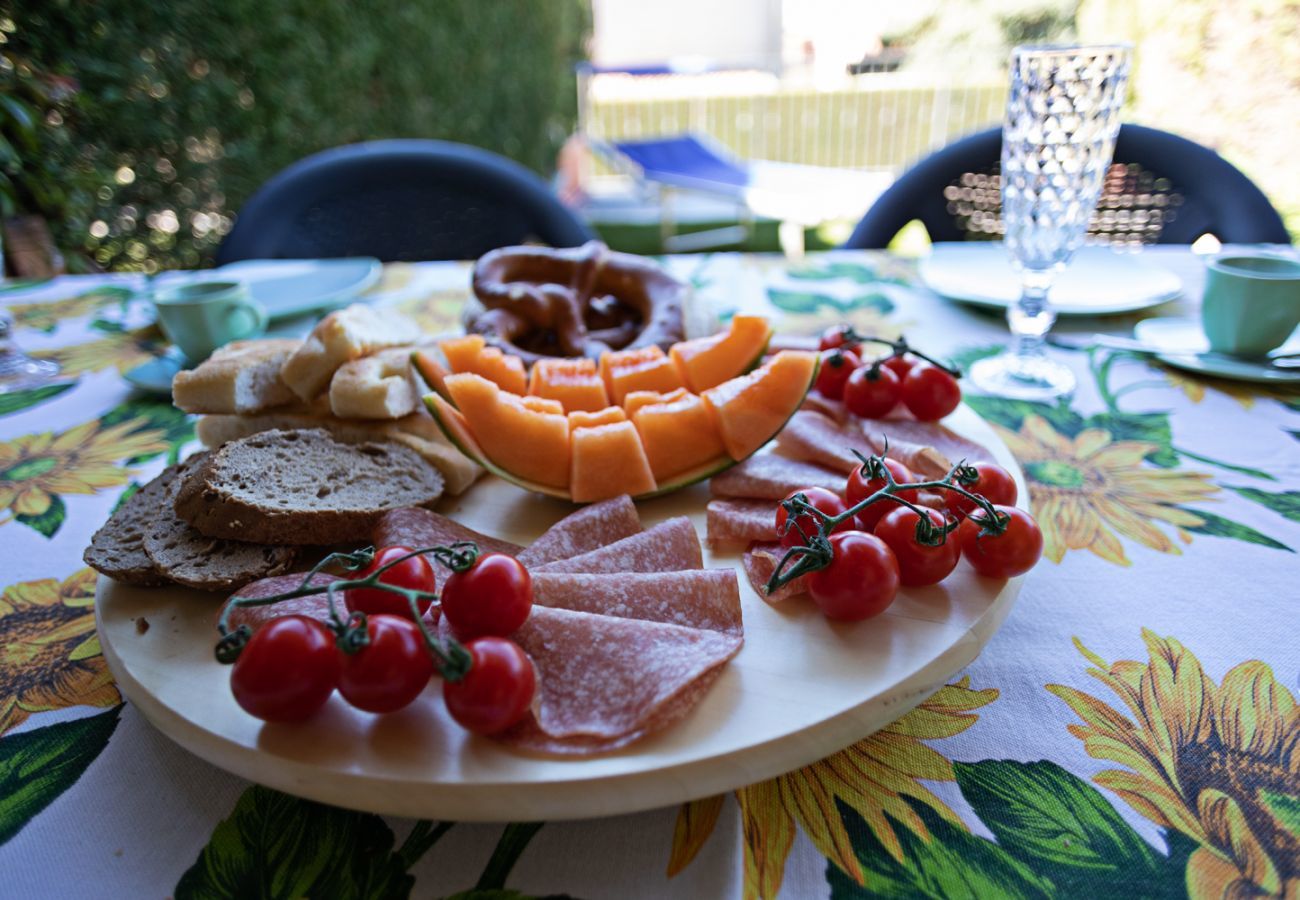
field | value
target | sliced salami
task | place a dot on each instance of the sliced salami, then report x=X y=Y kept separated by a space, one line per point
x=416 y=527
x=670 y=546
x=604 y=681
x=587 y=529
x=315 y=606
x=770 y=476
x=734 y=523
x=700 y=598
x=760 y=562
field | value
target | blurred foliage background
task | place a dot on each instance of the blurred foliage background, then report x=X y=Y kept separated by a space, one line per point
x=155 y=119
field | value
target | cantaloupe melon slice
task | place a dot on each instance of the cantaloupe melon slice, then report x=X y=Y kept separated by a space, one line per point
x=541 y=405
x=529 y=443
x=749 y=410
x=471 y=354
x=573 y=382
x=678 y=434
x=607 y=416
x=637 y=399
x=645 y=369
x=708 y=361
x=431 y=370
x=608 y=460
x=456 y=428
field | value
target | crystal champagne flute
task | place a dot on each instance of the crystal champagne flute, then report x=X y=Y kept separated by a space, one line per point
x=1057 y=142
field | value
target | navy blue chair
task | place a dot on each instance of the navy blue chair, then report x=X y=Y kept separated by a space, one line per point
x=399 y=200
x=1162 y=188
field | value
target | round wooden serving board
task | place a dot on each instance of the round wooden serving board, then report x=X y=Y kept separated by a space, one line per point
x=800 y=689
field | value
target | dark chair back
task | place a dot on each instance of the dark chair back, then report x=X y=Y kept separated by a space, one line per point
x=1162 y=188
x=399 y=200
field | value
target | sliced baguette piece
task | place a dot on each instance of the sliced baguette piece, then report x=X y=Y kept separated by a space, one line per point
x=241 y=377
x=117 y=549
x=418 y=431
x=303 y=487
x=342 y=336
x=379 y=386
x=187 y=557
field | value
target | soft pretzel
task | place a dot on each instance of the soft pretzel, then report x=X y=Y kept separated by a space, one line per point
x=541 y=302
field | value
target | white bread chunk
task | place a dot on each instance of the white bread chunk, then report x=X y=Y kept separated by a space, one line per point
x=380 y=386
x=344 y=335
x=417 y=431
x=241 y=377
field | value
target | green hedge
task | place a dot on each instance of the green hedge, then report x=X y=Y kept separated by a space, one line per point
x=187 y=106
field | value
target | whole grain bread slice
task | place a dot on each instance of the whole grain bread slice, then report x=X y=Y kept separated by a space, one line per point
x=117 y=548
x=303 y=487
x=185 y=556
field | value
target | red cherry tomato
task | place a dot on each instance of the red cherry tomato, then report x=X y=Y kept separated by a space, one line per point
x=994 y=484
x=821 y=498
x=861 y=581
x=871 y=391
x=860 y=487
x=836 y=336
x=496 y=691
x=494 y=596
x=836 y=367
x=287 y=670
x=900 y=365
x=390 y=671
x=930 y=392
x=415 y=573
x=918 y=564
x=1005 y=555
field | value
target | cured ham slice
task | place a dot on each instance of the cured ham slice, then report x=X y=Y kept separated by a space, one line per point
x=587 y=529
x=733 y=523
x=813 y=437
x=700 y=598
x=770 y=476
x=670 y=546
x=760 y=562
x=315 y=606
x=604 y=682
x=948 y=447
x=417 y=527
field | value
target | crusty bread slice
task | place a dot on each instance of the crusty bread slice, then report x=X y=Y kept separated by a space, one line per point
x=117 y=549
x=187 y=557
x=343 y=335
x=418 y=431
x=303 y=487
x=243 y=376
x=379 y=386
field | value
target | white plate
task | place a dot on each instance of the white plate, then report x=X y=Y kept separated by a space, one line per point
x=295 y=287
x=800 y=689
x=1097 y=282
x=1184 y=338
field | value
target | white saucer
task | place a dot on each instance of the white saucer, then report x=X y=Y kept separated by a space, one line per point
x=1097 y=282
x=1184 y=341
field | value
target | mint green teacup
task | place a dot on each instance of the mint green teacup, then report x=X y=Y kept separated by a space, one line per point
x=201 y=316
x=1251 y=303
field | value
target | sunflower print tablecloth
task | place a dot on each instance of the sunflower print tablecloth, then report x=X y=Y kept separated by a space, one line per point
x=1131 y=731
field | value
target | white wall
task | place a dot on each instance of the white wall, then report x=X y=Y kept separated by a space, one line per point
x=728 y=33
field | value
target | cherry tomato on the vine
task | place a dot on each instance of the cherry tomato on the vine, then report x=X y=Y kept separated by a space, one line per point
x=871 y=391
x=390 y=671
x=496 y=691
x=930 y=392
x=836 y=336
x=861 y=581
x=827 y=502
x=415 y=574
x=859 y=487
x=1005 y=555
x=287 y=670
x=918 y=564
x=900 y=365
x=837 y=366
x=494 y=596
x=994 y=484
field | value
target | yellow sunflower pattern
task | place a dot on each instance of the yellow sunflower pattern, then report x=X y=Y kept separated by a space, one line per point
x=123 y=350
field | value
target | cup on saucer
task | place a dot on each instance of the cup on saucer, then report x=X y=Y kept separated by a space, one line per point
x=200 y=316
x=1251 y=303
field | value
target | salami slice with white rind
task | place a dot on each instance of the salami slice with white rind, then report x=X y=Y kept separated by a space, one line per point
x=700 y=598
x=590 y=528
x=314 y=606
x=734 y=523
x=670 y=546
x=760 y=561
x=417 y=527
x=770 y=476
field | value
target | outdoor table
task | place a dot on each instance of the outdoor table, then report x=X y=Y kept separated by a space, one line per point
x=1131 y=730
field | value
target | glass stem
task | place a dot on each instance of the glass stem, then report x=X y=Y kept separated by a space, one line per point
x=1032 y=317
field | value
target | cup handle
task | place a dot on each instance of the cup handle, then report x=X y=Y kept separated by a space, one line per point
x=255 y=311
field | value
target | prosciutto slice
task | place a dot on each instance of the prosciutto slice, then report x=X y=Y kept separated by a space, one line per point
x=813 y=437
x=733 y=523
x=604 y=681
x=587 y=529
x=670 y=546
x=948 y=447
x=760 y=562
x=770 y=476
x=699 y=598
